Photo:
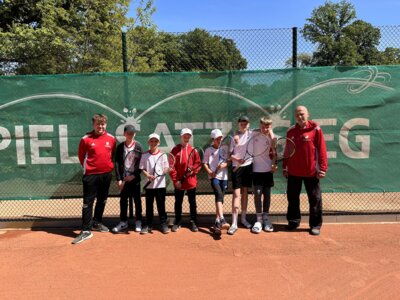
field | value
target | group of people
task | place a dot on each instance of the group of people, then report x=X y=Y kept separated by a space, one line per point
x=98 y=149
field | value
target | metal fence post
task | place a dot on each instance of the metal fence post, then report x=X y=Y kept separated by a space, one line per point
x=294 y=47
x=124 y=53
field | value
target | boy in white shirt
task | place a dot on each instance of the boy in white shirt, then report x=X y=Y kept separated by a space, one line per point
x=156 y=189
x=262 y=176
x=217 y=171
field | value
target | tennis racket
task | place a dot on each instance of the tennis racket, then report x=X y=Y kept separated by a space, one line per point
x=284 y=149
x=257 y=145
x=225 y=150
x=195 y=159
x=164 y=164
x=130 y=160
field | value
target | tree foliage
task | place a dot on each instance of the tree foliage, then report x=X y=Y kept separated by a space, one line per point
x=61 y=36
x=79 y=36
x=198 y=50
x=341 y=38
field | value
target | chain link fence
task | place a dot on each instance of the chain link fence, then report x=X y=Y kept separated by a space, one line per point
x=263 y=49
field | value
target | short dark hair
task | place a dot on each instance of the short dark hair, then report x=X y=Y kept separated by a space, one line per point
x=99 y=118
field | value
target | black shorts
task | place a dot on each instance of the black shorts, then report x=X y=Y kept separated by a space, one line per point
x=265 y=179
x=242 y=177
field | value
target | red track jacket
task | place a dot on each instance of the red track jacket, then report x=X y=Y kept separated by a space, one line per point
x=310 y=155
x=181 y=162
x=96 y=153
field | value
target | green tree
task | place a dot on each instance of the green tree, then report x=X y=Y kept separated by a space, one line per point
x=198 y=50
x=390 y=56
x=303 y=60
x=341 y=39
x=366 y=39
x=144 y=41
x=79 y=36
x=72 y=36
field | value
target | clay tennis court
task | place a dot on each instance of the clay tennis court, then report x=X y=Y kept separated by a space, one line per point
x=348 y=261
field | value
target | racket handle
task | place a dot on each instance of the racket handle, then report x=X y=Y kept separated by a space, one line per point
x=147 y=184
x=236 y=168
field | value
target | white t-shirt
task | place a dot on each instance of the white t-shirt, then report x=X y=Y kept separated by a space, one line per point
x=262 y=144
x=240 y=146
x=211 y=157
x=148 y=162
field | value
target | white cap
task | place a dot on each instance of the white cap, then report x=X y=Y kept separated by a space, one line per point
x=154 y=136
x=215 y=133
x=186 y=131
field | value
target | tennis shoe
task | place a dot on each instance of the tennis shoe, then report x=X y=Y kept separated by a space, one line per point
x=176 y=227
x=232 y=230
x=315 y=231
x=217 y=228
x=122 y=226
x=291 y=226
x=257 y=227
x=193 y=226
x=246 y=224
x=83 y=236
x=224 y=224
x=268 y=227
x=138 y=226
x=100 y=227
x=146 y=229
x=217 y=224
x=165 y=229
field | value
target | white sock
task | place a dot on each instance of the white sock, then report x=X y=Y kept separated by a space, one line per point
x=234 y=219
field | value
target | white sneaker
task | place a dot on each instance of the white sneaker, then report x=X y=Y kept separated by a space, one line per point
x=232 y=230
x=257 y=227
x=268 y=226
x=120 y=227
x=138 y=226
x=245 y=223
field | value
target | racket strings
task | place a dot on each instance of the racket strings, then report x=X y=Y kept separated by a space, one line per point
x=284 y=148
x=224 y=152
x=129 y=161
x=258 y=145
x=164 y=164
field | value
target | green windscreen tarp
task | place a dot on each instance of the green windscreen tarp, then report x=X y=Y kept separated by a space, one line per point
x=43 y=118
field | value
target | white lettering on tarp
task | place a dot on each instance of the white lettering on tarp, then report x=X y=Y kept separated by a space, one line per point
x=224 y=126
x=163 y=131
x=168 y=140
x=364 y=140
x=330 y=136
x=5 y=138
x=36 y=144
x=64 y=149
x=20 y=145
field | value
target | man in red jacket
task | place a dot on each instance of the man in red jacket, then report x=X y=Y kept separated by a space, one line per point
x=308 y=164
x=185 y=179
x=95 y=152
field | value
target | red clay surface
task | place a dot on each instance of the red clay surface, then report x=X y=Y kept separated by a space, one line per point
x=348 y=261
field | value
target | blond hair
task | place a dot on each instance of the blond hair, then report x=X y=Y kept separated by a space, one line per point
x=265 y=120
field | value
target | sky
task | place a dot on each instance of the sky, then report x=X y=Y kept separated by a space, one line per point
x=186 y=15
